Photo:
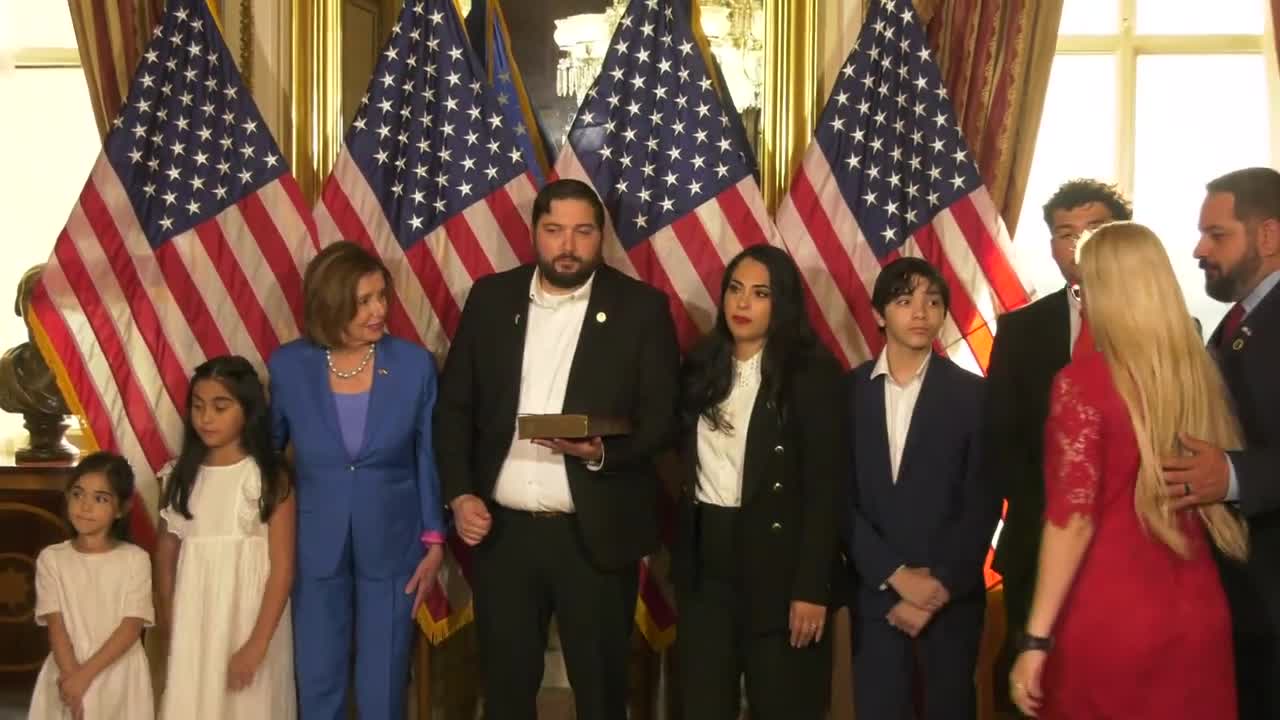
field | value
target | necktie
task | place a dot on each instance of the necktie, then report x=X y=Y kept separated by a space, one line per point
x=1231 y=324
x=1084 y=340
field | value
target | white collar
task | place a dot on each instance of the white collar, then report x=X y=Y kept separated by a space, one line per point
x=747 y=371
x=545 y=299
x=882 y=366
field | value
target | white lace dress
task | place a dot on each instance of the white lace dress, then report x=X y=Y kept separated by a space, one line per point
x=94 y=592
x=222 y=573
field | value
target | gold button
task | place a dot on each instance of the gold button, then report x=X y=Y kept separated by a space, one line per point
x=778 y=449
x=777 y=487
x=776 y=527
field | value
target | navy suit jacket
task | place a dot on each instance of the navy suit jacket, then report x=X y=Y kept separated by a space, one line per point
x=388 y=493
x=942 y=511
x=1250 y=367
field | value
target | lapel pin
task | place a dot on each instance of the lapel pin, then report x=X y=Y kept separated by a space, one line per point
x=1246 y=331
x=517 y=320
x=383 y=371
x=601 y=317
x=1238 y=344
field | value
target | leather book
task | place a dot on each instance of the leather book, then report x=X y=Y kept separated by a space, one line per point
x=569 y=426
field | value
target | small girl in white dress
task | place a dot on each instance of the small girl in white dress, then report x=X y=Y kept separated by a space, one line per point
x=93 y=592
x=224 y=559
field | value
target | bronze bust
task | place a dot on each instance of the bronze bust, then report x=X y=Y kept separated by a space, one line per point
x=28 y=387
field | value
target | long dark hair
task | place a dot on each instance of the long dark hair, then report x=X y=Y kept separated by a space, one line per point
x=240 y=379
x=119 y=475
x=707 y=376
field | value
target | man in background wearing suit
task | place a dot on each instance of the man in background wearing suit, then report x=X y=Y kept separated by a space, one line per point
x=1239 y=251
x=921 y=511
x=1032 y=344
x=558 y=525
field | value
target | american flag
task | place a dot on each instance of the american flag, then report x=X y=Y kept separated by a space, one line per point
x=432 y=179
x=655 y=142
x=888 y=174
x=487 y=27
x=187 y=242
x=430 y=176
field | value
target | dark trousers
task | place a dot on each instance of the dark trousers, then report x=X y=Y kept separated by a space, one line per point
x=1257 y=675
x=528 y=569
x=716 y=645
x=884 y=661
x=1018 y=590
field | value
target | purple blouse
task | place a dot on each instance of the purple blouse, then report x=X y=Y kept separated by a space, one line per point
x=353 y=411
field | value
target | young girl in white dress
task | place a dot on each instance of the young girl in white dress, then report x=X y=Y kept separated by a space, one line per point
x=93 y=592
x=224 y=560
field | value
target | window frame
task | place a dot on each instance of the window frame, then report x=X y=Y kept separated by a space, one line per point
x=40 y=58
x=1126 y=45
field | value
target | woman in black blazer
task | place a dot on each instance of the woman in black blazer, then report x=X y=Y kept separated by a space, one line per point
x=762 y=462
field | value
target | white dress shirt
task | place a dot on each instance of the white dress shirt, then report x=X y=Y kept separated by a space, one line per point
x=534 y=478
x=899 y=405
x=721 y=452
x=1073 y=316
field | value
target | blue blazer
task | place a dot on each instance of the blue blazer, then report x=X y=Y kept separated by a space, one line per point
x=942 y=511
x=389 y=493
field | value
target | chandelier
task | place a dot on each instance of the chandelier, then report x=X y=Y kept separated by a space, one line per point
x=734 y=28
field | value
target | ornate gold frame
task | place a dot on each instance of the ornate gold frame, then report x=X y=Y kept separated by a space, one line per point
x=791 y=92
x=315 y=98
x=791 y=101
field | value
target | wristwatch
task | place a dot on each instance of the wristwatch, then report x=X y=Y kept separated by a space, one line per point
x=1027 y=641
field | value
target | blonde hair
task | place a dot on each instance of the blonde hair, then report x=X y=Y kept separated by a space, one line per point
x=1140 y=321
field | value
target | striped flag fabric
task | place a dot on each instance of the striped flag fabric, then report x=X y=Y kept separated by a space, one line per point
x=654 y=140
x=889 y=174
x=187 y=242
x=430 y=176
x=431 y=179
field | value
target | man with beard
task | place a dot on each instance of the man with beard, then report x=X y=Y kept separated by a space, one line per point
x=1239 y=251
x=558 y=525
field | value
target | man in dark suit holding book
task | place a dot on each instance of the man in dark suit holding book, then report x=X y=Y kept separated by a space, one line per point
x=558 y=524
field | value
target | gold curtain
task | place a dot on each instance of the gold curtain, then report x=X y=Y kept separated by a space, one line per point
x=1275 y=25
x=995 y=57
x=111 y=35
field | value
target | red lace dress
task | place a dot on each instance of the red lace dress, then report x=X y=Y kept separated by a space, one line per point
x=1143 y=633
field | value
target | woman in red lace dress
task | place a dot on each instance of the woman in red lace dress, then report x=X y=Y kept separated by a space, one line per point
x=1129 y=619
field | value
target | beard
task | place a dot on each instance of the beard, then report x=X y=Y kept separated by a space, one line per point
x=567 y=280
x=1230 y=283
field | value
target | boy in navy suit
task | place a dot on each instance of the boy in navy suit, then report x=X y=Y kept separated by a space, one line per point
x=921 y=516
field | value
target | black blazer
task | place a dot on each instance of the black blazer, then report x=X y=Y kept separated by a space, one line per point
x=793 y=471
x=1032 y=344
x=942 y=511
x=1251 y=368
x=626 y=365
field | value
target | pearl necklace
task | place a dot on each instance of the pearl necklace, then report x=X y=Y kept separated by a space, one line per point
x=328 y=356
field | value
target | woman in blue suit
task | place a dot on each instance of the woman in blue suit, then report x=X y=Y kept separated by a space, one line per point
x=356 y=405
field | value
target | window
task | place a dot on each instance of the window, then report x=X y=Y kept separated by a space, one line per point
x=48 y=139
x=1158 y=96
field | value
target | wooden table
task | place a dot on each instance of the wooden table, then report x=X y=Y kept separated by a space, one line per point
x=31 y=518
